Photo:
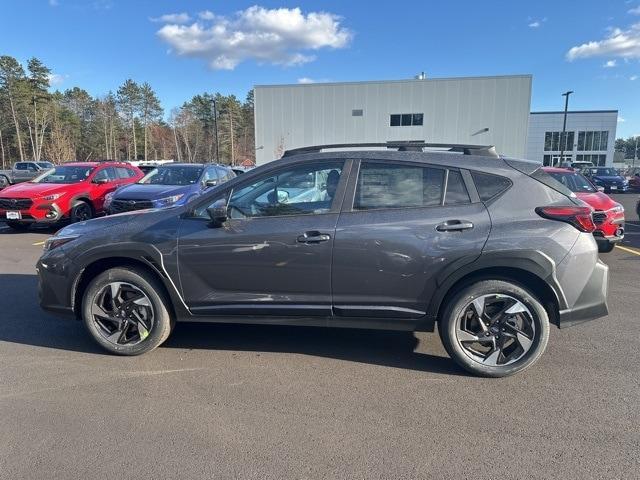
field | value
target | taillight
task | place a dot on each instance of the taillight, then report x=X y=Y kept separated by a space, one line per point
x=579 y=217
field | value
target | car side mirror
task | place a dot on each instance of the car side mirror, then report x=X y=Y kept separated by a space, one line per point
x=210 y=183
x=100 y=181
x=218 y=213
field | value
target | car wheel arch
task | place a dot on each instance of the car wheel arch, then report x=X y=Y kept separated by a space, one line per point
x=521 y=273
x=97 y=266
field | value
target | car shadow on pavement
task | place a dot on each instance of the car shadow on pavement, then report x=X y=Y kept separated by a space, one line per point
x=22 y=321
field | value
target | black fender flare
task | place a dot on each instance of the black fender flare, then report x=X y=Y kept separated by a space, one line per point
x=145 y=254
x=533 y=262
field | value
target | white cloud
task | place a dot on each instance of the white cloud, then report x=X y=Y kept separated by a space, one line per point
x=633 y=77
x=621 y=119
x=207 y=15
x=54 y=3
x=55 y=79
x=619 y=43
x=610 y=64
x=533 y=23
x=178 y=18
x=282 y=36
x=635 y=11
x=305 y=80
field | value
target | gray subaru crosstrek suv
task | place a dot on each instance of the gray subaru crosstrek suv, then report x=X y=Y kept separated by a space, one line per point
x=492 y=250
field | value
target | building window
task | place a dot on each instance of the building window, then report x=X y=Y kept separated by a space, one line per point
x=598 y=160
x=552 y=141
x=357 y=112
x=597 y=141
x=406 y=119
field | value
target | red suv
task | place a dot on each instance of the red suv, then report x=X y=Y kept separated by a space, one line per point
x=608 y=215
x=72 y=191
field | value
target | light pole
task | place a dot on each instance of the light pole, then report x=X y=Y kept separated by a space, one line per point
x=215 y=129
x=563 y=135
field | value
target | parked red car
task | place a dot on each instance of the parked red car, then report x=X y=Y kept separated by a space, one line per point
x=69 y=192
x=608 y=215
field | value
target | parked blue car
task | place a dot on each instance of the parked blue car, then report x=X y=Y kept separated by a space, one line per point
x=607 y=178
x=167 y=185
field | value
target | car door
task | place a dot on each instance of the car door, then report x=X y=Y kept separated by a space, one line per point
x=24 y=171
x=104 y=180
x=403 y=226
x=272 y=256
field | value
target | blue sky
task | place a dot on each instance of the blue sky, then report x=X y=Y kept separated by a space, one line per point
x=187 y=47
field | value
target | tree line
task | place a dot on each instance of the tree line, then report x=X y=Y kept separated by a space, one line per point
x=628 y=146
x=128 y=124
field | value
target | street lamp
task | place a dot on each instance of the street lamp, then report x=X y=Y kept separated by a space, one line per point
x=563 y=135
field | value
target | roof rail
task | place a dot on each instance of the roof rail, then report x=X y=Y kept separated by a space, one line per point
x=402 y=146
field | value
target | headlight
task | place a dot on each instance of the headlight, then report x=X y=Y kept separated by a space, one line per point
x=53 y=196
x=617 y=209
x=55 y=242
x=108 y=198
x=165 y=202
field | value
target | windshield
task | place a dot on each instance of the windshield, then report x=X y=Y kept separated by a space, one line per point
x=605 y=172
x=574 y=181
x=172 y=176
x=64 y=175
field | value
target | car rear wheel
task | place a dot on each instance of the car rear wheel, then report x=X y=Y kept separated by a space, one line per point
x=125 y=312
x=4 y=181
x=81 y=211
x=494 y=328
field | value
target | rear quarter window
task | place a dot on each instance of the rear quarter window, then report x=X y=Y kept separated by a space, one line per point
x=490 y=186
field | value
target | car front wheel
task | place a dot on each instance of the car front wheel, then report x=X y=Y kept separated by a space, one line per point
x=125 y=312
x=494 y=328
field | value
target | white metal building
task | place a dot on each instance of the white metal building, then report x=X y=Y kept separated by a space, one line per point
x=476 y=110
x=590 y=136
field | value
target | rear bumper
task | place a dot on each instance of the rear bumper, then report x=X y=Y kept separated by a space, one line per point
x=592 y=302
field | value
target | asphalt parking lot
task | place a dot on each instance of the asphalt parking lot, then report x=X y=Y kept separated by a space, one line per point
x=281 y=402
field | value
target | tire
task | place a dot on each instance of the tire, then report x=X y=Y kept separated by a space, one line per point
x=19 y=227
x=460 y=317
x=606 y=247
x=108 y=333
x=80 y=211
x=4 y=182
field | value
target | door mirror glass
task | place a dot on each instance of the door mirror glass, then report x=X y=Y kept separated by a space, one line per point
x=101 y=180
x=218 y=212
x=210 y=183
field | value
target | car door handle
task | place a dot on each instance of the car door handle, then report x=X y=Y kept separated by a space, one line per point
x=454 y=226
x=313 y=237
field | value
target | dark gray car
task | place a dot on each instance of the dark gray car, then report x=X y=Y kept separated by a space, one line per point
x=491 y=249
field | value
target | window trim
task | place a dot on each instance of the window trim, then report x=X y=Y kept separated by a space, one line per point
x=350 y=196
x=336 y=204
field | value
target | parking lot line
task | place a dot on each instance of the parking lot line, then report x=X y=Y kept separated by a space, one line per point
x=627 y=249
x=38 y=243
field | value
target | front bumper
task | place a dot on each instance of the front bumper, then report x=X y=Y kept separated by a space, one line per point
x=592 y=302
x=44 y=213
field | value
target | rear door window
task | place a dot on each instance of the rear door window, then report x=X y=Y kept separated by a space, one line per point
x=456 y=191
x=398 y=186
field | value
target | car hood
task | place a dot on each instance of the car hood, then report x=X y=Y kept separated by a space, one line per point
x=613 y=179
x=597 y=200
x=151 y=192
x=33 y=190
x=100 y=223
